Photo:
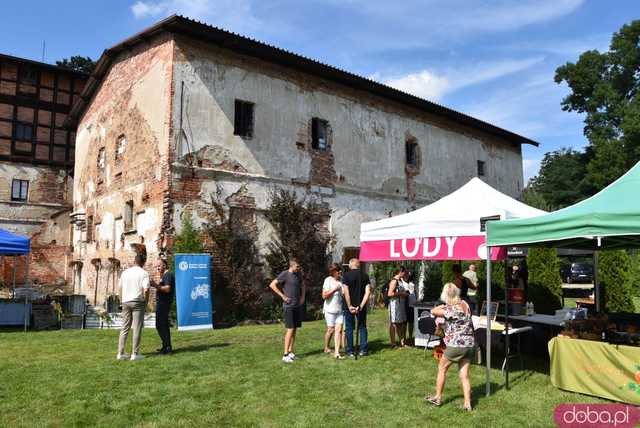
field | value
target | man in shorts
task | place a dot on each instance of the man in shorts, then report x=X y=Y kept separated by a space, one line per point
x=290 y=289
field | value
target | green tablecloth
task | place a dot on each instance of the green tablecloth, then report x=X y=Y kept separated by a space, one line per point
x=596 y=368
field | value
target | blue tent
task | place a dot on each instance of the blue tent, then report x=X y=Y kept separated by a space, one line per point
x=11 y=244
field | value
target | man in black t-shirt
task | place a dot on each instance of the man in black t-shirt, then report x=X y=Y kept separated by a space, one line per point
x=355 y=305
x=292 y=295
x=165 y=290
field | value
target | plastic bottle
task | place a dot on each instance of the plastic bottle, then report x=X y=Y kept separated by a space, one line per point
x=533 y=309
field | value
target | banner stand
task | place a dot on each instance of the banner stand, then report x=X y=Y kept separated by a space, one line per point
x=193 y=291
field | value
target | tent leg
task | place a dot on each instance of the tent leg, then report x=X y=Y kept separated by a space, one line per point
x=596 y=283
x=25 y=313
x=26 y=279
x=488 y=345
x=13 y=290
x=507 y=350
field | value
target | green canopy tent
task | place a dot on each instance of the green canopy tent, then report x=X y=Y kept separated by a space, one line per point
x=609 y=220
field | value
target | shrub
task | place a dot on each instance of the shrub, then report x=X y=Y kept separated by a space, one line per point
x=433 y=281
x=635 y=272
x=187 y=241
x=545 y=284
x=301 y=233
x=615 y=277
x=237 y=273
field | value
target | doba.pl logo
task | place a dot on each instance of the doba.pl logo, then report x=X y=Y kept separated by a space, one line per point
x=596 y=415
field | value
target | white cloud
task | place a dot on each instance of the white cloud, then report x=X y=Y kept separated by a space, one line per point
x=433 y=85
x=422 y=23
x=509 y=15
x=424 y=84
x=235 y=15
x=145 y=10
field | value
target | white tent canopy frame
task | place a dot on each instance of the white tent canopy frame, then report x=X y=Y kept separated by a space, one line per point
x=454 y=218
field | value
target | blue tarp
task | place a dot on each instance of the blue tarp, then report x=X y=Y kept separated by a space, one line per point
x=11 y=244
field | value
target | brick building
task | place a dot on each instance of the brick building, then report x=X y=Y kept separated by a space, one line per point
x=183 y=110
x=36 y=164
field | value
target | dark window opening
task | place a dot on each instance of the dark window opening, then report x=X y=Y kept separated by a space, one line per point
x=89 y=229
x=411 y=153
x=481 y=169
x=19 y=190
x=23 y=131
x=319 y=128
x=243 y=119
x=101 y=160
x=28 y=75
x=128 y=216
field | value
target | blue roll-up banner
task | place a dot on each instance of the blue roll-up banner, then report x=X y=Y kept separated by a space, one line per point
x=193 y=291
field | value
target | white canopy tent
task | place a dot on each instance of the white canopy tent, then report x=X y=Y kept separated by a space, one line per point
x=448 y=229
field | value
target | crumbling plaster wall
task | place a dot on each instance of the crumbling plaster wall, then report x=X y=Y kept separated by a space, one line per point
x=362 y=176
x=43 y=218
x=128 y=121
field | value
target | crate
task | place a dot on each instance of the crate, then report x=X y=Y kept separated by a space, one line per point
x=70 y=322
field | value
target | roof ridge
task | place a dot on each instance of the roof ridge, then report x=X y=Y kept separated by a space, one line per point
x=181 y=24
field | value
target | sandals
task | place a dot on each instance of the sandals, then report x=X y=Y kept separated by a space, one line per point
x=467 y=409
x=433 y=400
x=338 y=357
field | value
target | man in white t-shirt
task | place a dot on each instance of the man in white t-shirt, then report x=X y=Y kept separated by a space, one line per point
x=134 y=285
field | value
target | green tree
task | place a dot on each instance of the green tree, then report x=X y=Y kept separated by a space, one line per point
x=635 y=272
x=560 y=180
x=189 y=239
x=77 y=63
x=615 y=277
x=533 y=198
x=604 y=87
x=545 y=284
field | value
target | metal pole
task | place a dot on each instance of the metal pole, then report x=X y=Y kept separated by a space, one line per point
x=488 y=351
x=25 y=313
x=13 y=291
x=26 y=281
x=596 y=283
x=506 y=324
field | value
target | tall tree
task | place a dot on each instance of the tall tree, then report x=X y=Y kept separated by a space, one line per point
x=545 y=284
x=560 y=182
x=604 y=86
x=615 y=273
x=77 y=63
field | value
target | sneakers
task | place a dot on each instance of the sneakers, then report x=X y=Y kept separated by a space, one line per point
x=287 y=359
x=363 y=354
x=123 y=357
x=292 y=356
x=137 y=357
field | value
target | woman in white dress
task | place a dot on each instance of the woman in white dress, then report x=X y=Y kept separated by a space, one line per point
x=332 y=293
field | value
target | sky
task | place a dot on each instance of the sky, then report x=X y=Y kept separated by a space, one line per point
x=491 y=59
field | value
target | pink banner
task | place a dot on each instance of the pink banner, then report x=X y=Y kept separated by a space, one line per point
x=440 y=248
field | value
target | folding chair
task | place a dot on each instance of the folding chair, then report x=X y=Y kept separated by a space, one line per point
x=427 y=326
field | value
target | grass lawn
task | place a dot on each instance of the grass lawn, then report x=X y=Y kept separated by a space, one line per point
x=234 y=377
